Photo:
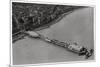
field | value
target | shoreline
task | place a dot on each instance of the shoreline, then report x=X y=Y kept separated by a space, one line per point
x=53 y=22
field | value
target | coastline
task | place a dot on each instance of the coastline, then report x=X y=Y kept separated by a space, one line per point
x=53 y=22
